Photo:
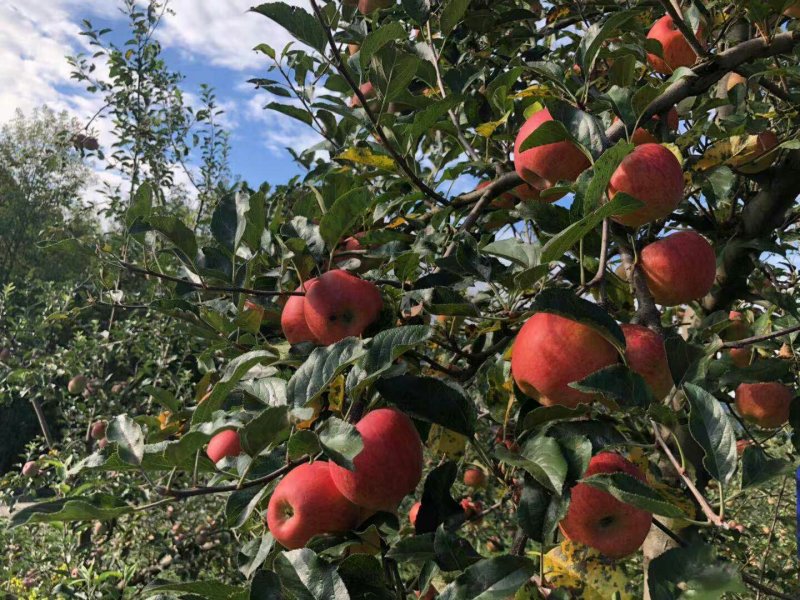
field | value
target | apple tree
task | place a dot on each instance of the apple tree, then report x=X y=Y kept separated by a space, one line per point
x=523 y=328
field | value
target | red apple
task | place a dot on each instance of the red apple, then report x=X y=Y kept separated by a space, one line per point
x=598 y=520
x=472 y=508
x=388 y=467
x=340 y=305
x=741 y=445
x=652 y=175
x=77 y=385
x=98 y=430
x=474 y=477
x=644 y=349
x=551 y=351
x=544 y=166
x=765 y=404
x=307 y=503
x=679 y=268
x=224 y=444
x=741 y=357
x=413 y=511
x=293 y=319
x=30 y=469
x=367 y=90
x=366 y=7
x=676 y=50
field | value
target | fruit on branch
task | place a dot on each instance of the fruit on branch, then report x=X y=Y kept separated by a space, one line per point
x=254 y=306
x=596 y=519
x=293 y=318
x=643 y=136
x=474 y=477
x=472 y=508
x=644 y=349
x=388 y=467
x=732 y=80
x=551 y=351
x=741 y=357
x=224 y=444
x=77 y=385
x=98 y=430
x=523 y=192
x=353 y=244
x=765 y=404
x=30 y=469
x=5 y=354
x=544 y=166
x=676 y=51
x=679 y=268
x=413 y=511
x=340 y=305
x=737 y=330
x=652 y=175
x=367 y=90
x=307 y=503
x=366 y=7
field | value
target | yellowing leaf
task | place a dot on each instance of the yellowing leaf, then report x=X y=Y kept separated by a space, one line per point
x=675 y=150
x=316 y=405
x=444 y=441
x=396 y=223
x=364 y=156
x=487 y=129
x=539 y=91
x=586 y=572
x=336 y=394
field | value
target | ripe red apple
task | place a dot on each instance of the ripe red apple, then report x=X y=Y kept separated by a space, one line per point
x=738 y=328
x=429 y=595
x=644 y=349
x=643 y=136
x=597 y=519
x=30 y=469
x=741 y=445
x=543 y=166
x=224 y=444
x=366 y=7
x=413 y=511
x=472 y=508
x=474 y=477
x=77 y=385
x=388 y=467
x=741 y=357
x=368 y=91
x=340 y=305
x=98 y=430
x=675 y=49
x=551 y=351
x=652 y=175
x=679 y=268
x=307 y=503
x=293 y=319
x=765 y=404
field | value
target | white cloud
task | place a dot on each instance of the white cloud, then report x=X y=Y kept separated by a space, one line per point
x=280 y=131
x=223 y=33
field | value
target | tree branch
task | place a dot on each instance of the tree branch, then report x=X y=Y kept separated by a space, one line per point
x=688 y=34
x=760 y=338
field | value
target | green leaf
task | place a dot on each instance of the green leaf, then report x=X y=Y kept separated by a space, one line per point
x=432 y=400
x=307 y=577
x=693 y=572
x=229 y=219
x=392 y=71
x=141 y=204
x=212 y=590
x=631 y=491
x=345 y=212
x=241 y=504
x=99 y=507
x=758 y=468
x=712 y=429
x=540 y=511
x=437 y=504
x=452 y=13
x=548 y=132
x=269 y=429
x=618 y=383
x=235 y=370
x=525 y=255
x=426 y=118
x=584 y=128
x=363 y=575
x=320 y=369
x=172 y=229
x=495 y=578
x=453 y=553
x=558 y=245
x=126 y=433
x=386 y=347
x=592 y=41
x=377 y=39
x=340 y=441
x=602 y=172
x=266 y=585
x=566 y=304
x=295 y=112
x=419 y=10
x=414 y=549
x=296 y=21
x=540 y=456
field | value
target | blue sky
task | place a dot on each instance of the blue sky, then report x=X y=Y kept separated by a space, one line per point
x=209 y=41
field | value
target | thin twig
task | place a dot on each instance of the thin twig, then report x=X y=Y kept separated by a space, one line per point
x=344 y=71
x=601 y=268
x=688 y=34
x=709 y=512
x=760 y=338
x=37 y=408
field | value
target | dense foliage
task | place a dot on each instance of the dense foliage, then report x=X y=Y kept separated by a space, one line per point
x=498 y=319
